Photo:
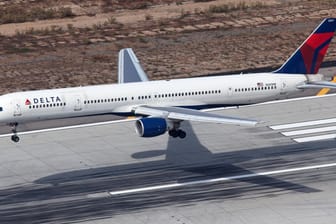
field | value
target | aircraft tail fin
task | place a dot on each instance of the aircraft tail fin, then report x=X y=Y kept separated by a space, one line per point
x=129 y=68
x=308 y=58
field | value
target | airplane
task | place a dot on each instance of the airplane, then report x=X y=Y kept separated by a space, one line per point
x=163 y=105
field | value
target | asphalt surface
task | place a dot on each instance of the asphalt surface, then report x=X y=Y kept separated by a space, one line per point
x=218 y=174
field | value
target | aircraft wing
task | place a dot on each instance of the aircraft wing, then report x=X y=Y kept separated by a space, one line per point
x=129 y=68
x=180 y=114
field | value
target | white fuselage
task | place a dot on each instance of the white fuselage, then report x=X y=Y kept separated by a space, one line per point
x=196 y=93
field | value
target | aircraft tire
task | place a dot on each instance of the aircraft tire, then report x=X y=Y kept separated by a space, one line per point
x=15 y=138
x=174 y=133
x=182 y=134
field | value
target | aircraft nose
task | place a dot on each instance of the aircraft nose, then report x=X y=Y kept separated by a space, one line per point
x=1 y=114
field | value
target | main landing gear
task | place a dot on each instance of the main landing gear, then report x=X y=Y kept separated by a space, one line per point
x=14 y=137
x=177 y=133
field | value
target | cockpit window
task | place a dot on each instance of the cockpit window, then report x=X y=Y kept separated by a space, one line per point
x=0 y=109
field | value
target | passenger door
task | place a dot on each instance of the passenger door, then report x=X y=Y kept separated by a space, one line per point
x=230 y=91
x=283 y=87
x=16 y=108
x=74 y=101
x=78 y=103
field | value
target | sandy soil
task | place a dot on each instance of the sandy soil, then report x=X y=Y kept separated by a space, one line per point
x=190 y=44
x=126 y=17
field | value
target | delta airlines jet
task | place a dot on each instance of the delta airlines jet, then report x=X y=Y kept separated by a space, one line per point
x=163 y=105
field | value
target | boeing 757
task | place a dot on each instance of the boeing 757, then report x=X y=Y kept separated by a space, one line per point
x=163 y=105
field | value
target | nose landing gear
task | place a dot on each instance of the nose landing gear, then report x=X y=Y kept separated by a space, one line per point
x=14 y=137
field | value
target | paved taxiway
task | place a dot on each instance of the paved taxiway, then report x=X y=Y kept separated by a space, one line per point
x=218 y=174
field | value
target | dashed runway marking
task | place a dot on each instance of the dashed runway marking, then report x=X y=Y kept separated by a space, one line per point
x=306 y=132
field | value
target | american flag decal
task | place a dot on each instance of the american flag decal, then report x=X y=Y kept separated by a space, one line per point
x=260 y=84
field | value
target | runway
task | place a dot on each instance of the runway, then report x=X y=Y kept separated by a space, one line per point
x=106 y=174
x=282 y=171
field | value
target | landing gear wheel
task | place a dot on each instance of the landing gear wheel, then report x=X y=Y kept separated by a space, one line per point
x=15 y=138
x=173 y=133
x=181 y=134
x=177 y=133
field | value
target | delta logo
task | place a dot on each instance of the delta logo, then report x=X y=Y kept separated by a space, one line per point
x=28 y=103
x=43 y=100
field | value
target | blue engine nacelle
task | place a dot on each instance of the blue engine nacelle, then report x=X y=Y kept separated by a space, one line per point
x=151 y=127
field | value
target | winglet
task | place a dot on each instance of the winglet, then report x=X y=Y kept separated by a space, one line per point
x=308 y=57
x=129 y=68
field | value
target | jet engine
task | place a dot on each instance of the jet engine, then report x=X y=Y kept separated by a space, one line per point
x=151 y=127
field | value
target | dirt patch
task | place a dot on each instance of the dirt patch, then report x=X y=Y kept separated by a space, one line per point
x=126 y=17
x=184 y=45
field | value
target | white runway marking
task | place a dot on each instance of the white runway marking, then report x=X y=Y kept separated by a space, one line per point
x=68 y=127
x=217 y=180
x=315 y=138
x=309 y=131
x=303 y=124
x=306 y=129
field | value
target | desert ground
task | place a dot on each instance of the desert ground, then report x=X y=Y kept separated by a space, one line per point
x=73 y=43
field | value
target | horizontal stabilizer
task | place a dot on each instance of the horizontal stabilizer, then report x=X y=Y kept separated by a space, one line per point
x=129 y=68
x=318 y=85
x=177 y=113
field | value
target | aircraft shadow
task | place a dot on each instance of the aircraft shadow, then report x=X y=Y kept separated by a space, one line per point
x=65 y=197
